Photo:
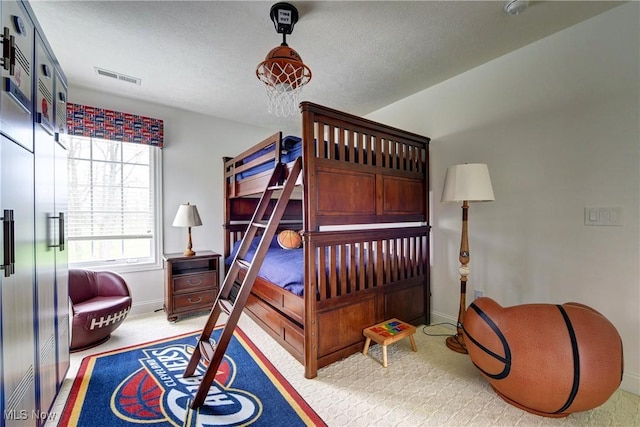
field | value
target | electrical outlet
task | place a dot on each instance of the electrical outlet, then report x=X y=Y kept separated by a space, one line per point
x=477 y=293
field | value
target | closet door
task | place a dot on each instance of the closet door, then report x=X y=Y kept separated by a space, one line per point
x=45 y=227
x=60 y=211
x=17 y=31
x=17 y=347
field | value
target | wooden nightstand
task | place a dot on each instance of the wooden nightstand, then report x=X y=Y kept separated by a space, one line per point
x=191 y=283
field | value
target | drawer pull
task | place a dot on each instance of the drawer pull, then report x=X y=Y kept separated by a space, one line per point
x=195 y=302
x=194 y=283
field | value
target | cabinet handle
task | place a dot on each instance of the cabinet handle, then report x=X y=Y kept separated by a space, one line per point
x=194 y=283
x=9 y=243
x=61 y=231
x=195 y=302
x=61 y=236
x=8 y=51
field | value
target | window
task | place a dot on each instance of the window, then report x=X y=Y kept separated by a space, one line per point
x=113 y=204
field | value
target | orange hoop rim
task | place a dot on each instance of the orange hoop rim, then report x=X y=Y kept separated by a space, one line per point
x=306 y=71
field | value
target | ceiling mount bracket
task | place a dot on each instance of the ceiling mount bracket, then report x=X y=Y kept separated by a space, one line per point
x=284 y=17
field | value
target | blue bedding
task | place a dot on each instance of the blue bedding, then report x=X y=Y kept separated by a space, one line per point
x=284 y=267
x=292 y=146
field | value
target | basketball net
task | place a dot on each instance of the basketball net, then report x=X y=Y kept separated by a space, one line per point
x=283 y=80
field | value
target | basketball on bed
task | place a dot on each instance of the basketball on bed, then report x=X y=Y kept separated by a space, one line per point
x=289 y=239
x=286 y=66
x=547 y=359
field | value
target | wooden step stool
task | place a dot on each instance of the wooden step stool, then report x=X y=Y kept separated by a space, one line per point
x=386 y=333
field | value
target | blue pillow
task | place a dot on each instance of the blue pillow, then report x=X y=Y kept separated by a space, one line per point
x=289 y=142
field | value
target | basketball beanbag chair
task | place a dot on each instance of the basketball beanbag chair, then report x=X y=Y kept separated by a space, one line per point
x=547 y=359
x=289 y=239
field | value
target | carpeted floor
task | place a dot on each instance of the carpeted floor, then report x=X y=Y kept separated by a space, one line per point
x=431 y=387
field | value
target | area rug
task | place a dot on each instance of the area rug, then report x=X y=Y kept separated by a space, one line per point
x=143 y=384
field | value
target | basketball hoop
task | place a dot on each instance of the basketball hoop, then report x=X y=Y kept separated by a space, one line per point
x=284 y=75
x=283 y=72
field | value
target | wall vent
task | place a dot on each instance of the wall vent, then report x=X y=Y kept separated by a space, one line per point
x=117 y=76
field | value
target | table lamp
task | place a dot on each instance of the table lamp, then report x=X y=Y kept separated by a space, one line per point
x=187 y=216
x=465 y=183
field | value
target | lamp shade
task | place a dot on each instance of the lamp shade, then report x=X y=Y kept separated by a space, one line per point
x=470 y=182
x=187 y=216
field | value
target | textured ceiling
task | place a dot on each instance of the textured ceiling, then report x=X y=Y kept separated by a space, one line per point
x=201 y=56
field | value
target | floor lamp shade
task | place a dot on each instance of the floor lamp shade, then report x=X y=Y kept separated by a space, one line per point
x=187 y=216
x=470 y=182
x=465 y=183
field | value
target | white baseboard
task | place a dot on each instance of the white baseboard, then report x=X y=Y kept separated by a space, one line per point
x=146 y=307
x=630 y=380
x=631 y=383
x=443 y=319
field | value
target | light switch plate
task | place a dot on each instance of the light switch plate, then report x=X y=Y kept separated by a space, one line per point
x=603 y=215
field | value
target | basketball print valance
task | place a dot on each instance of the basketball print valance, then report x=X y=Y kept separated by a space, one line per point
x=84 y=120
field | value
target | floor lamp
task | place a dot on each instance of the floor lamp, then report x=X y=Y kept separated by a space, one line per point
x=465 y=183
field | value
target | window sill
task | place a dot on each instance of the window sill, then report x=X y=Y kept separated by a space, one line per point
x=120 y=267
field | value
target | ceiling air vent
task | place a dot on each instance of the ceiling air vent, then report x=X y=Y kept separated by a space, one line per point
x=117 y=76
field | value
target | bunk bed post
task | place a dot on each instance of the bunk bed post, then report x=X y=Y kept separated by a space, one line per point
x=227 y=206
x=427 y=256
x=310 y=314
x=308 y=169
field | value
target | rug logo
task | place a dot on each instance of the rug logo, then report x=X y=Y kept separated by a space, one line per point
x=158 y=391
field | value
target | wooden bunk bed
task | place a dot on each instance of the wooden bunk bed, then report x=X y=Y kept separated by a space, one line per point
x=363 y=211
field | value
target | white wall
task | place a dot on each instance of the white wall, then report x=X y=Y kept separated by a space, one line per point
x=194 y=145
x=558 y=124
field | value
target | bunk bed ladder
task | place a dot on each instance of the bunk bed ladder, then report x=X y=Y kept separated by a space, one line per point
x=232 y=298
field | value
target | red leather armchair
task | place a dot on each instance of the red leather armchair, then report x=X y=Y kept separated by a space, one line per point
x=100 y=301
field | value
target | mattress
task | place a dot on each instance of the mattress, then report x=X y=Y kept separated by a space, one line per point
x=283 y=267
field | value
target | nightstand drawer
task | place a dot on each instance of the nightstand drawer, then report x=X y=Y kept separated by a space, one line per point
x=194 y=300
x=192 y=282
